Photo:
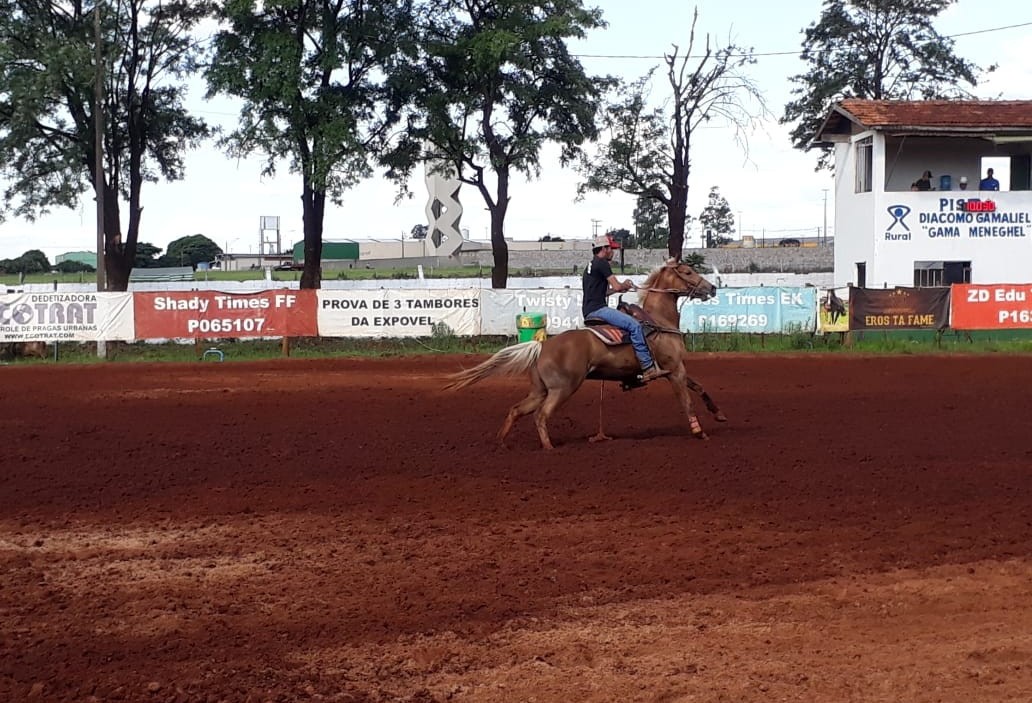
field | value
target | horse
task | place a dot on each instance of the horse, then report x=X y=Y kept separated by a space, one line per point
x=834 y=306
x=559 y=365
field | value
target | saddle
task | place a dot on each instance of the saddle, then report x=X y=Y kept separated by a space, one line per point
x=614 y=336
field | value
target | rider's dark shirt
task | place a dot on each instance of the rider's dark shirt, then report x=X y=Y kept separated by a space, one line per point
x=595 y=284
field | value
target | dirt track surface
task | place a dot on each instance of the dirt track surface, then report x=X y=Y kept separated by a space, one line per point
x=860 y=530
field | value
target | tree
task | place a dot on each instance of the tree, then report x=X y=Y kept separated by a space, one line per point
x=32 y=261
x=697 y=261
x=872 y=49
x=47 y=108
x=717 y=220
x=646 y=151
x=317 y=79
x=146 y=255
x=73 y=266
x=498 y=84
x=622 y=235
x=650 y=224
x=419 y=231
x=190 y=251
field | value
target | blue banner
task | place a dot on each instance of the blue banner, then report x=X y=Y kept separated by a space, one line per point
x=753 y=311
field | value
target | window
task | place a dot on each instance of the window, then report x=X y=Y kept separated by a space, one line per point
x=864 y=164
x=932 y=274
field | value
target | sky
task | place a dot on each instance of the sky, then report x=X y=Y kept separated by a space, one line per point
x=771 y=187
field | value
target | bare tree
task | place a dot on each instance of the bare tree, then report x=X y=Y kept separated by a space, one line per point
x=647 y=150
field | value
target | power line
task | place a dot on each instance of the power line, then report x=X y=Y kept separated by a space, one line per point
x=794 y=52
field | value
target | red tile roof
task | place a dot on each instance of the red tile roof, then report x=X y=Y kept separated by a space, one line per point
x=942 y=114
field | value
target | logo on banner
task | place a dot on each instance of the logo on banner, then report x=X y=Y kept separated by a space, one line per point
x=898 y=230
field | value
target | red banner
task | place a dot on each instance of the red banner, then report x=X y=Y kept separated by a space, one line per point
x=991 y=307
x=208 y=314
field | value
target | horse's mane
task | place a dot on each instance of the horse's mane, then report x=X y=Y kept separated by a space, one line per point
x=651 y=280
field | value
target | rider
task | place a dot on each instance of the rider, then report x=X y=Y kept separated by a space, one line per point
x=599 y=282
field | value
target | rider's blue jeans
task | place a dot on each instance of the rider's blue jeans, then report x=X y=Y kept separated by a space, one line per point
x=633 y=327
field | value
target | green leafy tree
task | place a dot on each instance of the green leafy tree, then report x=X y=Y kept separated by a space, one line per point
x=318 y=80
x=646 y=150
x=47 y=108
x=32 y=261
x=697 y=261
x=872 y=49
x=73 y=266
x=497 y=84
x=146 y=255
x=717 y=220
x=190 y=251
x=650 y=224
x=621 y=235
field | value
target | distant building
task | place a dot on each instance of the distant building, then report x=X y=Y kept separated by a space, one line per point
x=892 y=229
x=89 y=258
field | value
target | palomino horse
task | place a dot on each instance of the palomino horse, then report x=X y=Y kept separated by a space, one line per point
x=559 y=365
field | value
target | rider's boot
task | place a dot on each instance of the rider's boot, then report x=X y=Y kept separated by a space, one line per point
x=652 y=373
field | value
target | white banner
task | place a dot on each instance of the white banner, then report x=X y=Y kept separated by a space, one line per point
x=66 y=317
x=501 y=307
x=398 y=313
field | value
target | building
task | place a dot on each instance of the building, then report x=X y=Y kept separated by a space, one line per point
x=889 y=234
x=88 y=258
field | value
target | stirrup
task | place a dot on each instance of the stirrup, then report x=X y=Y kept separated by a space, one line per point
x=653 y=373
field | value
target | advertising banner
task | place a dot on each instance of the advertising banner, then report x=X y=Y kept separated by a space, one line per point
x=833 y=311
x=60 y=317
x=753 y=311
x=562 y=306
x=991 y=307
x=913 y=218
x=899 y=309
x=398 y=313
x=210 y=314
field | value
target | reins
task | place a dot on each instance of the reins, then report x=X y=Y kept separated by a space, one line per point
x=677 y=292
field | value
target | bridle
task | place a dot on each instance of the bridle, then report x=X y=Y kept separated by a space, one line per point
x=689 y=289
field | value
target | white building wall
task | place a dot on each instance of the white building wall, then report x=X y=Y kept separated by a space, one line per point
x=854 y=219
x=893 y=227
x=935 y=228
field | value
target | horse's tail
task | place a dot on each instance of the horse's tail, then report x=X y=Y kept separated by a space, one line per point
x=510 y=361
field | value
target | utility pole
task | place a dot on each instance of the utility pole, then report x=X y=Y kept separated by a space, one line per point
x=98 y=146
x=594 y=227
x=825 y=217
x=98 y=163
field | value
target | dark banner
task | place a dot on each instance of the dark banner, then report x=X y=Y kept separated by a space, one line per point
x=899 y=309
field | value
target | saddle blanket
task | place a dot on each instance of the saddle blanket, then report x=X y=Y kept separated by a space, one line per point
x=612 y=336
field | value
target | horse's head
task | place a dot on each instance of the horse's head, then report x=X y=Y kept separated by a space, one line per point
x=685 y=281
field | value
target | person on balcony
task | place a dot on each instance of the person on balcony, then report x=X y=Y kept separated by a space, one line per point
x=989 y=183
x=925 y=181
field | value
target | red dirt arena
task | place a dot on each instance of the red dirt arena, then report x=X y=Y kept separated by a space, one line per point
x=342 y=530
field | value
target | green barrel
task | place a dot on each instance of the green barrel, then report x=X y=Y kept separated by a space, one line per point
x=531 y=326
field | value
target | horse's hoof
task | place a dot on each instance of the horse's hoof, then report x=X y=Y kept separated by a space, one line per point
x=720 y=417
x=701 y=435
x=600 y=437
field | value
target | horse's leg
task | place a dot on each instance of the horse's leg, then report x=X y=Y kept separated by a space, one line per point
x=710 y=405
x=553 y=400
x=557 y=395
x=526 y=406
x=681 y=383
